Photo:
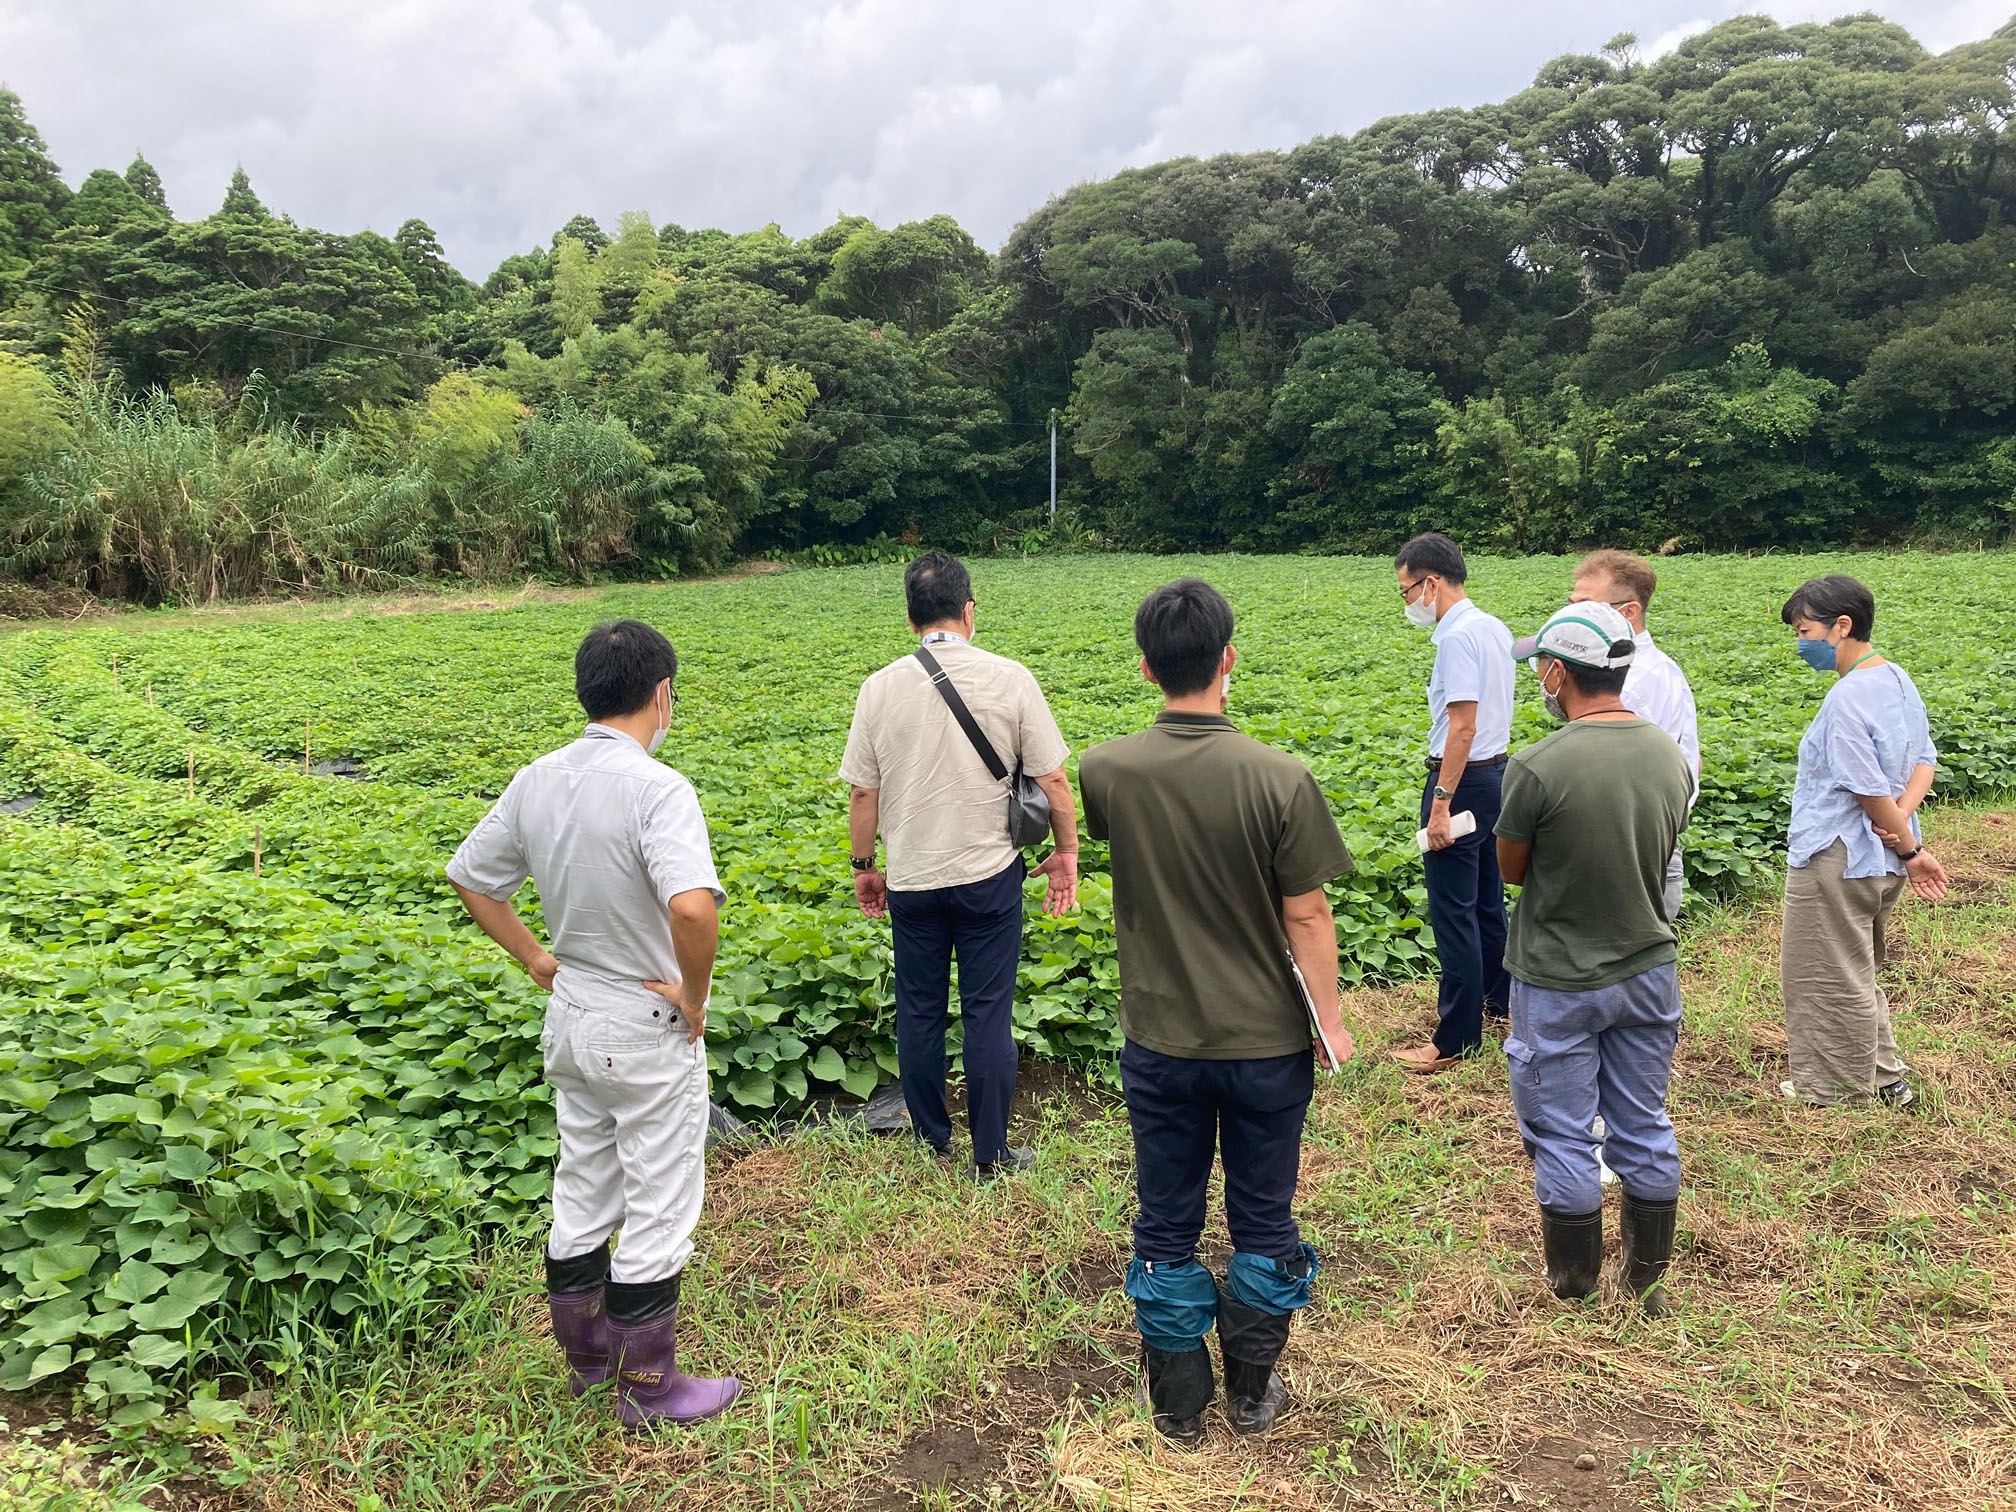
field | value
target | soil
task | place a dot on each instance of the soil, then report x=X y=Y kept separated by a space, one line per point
x=975 y=1444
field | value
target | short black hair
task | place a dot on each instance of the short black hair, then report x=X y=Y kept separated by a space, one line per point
x=1827 y=598
x=936 y=588
x=1183 y=629
x=1432 y=551
x=619 y=667
x=1595 y=682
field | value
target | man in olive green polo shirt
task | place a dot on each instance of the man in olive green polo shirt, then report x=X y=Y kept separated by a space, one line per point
x=1220 y=847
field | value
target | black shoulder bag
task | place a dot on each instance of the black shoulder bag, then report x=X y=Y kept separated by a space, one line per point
x=1028 y=808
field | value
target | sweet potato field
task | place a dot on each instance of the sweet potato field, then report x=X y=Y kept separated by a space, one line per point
x=263 y=1090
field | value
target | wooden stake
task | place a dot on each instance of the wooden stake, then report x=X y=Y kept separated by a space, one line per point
x=192 y=774
x=255 y=850
x=150 y=695
x=304 y=747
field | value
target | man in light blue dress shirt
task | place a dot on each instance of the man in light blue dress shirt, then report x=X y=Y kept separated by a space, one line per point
x=1470 y=726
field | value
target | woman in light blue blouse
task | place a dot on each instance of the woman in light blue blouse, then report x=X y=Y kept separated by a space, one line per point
x=1865 y=764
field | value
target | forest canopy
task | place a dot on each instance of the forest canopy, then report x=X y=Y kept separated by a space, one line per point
x=1760 y=291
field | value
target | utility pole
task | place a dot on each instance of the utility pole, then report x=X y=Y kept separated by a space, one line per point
x=1053 y=467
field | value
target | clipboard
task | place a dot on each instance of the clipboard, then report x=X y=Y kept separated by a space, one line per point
x=1330 y=1061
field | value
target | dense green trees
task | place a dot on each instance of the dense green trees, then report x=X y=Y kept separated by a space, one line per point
x=1760 y=291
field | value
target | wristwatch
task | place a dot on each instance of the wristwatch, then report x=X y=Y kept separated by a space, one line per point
x=1912 y=854
x=1442 y=794
x=862 y=863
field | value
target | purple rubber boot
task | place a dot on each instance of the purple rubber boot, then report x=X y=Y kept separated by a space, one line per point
x=581 y=1329
x=649 y=1387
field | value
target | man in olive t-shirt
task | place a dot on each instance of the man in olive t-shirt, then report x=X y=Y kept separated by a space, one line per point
x=1220 y=848
x=1590 y=816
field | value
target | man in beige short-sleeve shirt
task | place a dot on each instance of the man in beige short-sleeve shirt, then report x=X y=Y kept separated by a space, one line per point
x=953 y=885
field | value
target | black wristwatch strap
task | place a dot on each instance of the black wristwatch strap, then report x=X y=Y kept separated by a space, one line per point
x=862 y=863
x=1912 y=854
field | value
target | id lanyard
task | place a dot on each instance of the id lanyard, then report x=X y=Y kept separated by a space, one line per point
x=937 y=637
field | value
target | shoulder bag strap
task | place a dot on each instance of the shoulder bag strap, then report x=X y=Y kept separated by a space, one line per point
x=961 y=713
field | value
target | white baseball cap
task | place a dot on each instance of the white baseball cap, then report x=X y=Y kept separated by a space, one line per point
x=1589 y=634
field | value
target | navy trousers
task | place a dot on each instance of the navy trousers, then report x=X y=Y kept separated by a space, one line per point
x=1466 y=909
x=980 y=923
x=1248 y=1111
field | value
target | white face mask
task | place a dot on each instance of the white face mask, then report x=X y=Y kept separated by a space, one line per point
x=658 y=735
x=1421 y=613
x=1552 y=701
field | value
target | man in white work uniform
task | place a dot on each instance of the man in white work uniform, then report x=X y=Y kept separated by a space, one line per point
x=1656 y=689
x=617 y=846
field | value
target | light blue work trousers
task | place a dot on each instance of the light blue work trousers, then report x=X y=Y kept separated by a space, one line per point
x=1572 y=1055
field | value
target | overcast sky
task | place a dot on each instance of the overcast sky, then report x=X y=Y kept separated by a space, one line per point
x=495 y=120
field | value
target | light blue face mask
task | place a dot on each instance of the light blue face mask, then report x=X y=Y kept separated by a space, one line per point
x=1817 y=654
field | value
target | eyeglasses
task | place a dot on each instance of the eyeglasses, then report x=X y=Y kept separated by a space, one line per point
x=1613 y=603
x=1408 y=590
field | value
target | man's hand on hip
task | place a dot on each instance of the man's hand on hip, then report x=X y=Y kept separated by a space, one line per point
x=871 y=891
x=542 y=968
x=1060 y=872
x=695 y=1015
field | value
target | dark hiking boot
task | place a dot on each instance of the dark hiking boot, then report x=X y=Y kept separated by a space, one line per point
x=649 y=1387
x=1646 y=1231
x=581 y=1328
x=1019 y=1158
x=1177 y=1387
x=1573 y=1246
x=1251 y=1342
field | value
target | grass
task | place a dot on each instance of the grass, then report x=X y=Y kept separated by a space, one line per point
x=1844 y=1336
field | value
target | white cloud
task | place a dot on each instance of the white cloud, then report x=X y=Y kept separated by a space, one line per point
x=495 y=120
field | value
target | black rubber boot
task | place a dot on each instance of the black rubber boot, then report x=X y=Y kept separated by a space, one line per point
x=1647 y=1233
x=1573 y=1245
x=1178 y=1387
x=1251 y=1342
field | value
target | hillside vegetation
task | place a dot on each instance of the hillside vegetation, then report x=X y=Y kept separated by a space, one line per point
x=1756 y=292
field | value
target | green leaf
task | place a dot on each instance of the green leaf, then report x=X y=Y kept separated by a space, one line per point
x=827 y=1065
x=209 y=1415
x=54 y=1322
x=56 y=1226
x=188 y=1162
x=51 y=1361
x=862 y=1078
x=187 y=1293
x=120 y=1380
x=153 y=1352
x=63 y=1262
x=136 y=1281
x=178 y=1248
x=133 y=1414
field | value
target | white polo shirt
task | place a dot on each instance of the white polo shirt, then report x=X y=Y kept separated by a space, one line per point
x=1656 y=690
x=1473 y=664
x=610 y=836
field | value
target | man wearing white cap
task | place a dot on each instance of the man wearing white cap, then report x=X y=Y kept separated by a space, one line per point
x=1590 y=817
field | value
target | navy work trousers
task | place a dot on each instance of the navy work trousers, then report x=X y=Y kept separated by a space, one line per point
x=1250 y=1112
x=980 y=923
x=1466 y=909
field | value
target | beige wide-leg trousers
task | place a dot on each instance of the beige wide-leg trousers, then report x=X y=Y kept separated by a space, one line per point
x=1837 y=1019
